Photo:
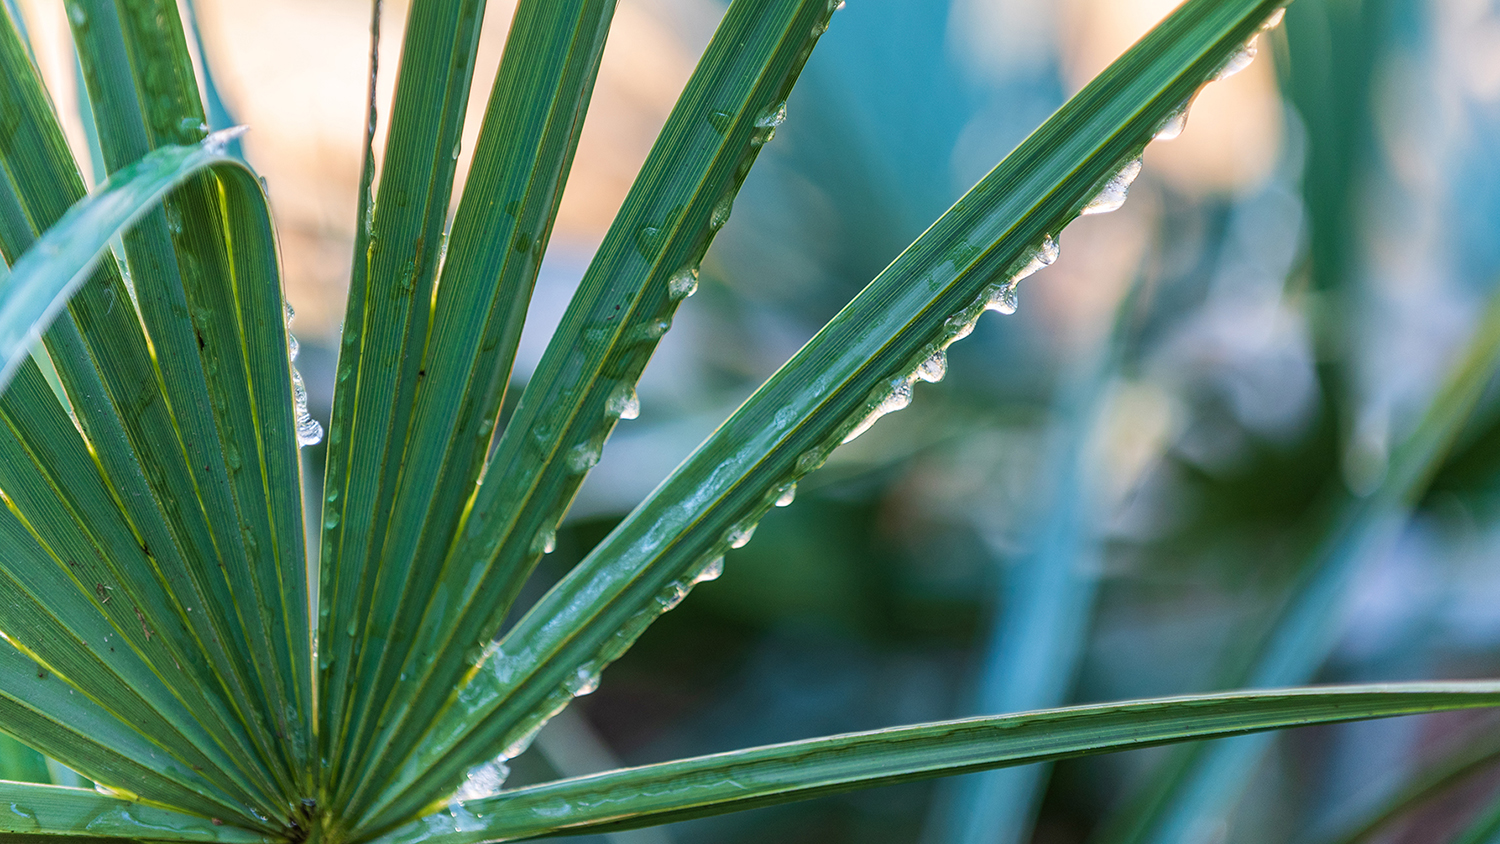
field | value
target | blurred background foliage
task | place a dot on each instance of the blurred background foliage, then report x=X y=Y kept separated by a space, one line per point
x=1114 y=489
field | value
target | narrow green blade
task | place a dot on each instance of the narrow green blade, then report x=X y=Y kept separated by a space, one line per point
x=140 y=79
x=58 y=264
x=88 y=580
x=863 y=363
x=745 y=779
x=62 y=585
x=585 y=381
x=103 y=359
x=386 y=326
x=499 y=234
x=43 y=812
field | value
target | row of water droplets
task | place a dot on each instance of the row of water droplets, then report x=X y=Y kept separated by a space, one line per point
x=1109 y=195
x=309 y=432
x=895 y=394
x=623 y=402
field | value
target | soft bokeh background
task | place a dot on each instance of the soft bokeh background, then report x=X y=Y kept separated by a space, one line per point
x=1306 y=258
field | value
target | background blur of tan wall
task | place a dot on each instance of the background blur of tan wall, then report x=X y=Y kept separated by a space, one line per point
x=295 y=71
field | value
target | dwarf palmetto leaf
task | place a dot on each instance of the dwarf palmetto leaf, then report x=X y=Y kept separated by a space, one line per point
x=865 y=360
x=103 y=358
x=585 y=382
x=185 y=678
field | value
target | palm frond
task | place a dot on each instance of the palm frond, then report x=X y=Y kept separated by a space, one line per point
x=862 y=364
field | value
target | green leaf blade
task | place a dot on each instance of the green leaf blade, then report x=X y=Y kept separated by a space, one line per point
x=41 y=812
x=744 y=779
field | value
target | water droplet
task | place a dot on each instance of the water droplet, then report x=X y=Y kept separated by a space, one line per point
x=1044 y=255
x=710 y=571
x=683 y=283
x=1237 y=62
x=653 y=330
x=78 y=15
x=27 y=816
x=720 y=120
x=192 y=128
x=1002 y=298
x=333 y=495
x=647 y=239
x=786 y=494
x=810 y=460
x=672 y=595
x=309 y=432
x=545 y=541
x=174 y=218
x=839 y=6
x=739 y=535
x=483 y=781
x=773 y=116
x=957 y=327
x=218 y=141
x=583 y=457
x=583 y=682
x=934 y=368
x=1172 y=127
x=457 y=146
x=898 y=398
x=722 y=209
x=623 y=403
x=1274 y=20
x=352 y=629
x=766 y=123
x=1112 y=195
